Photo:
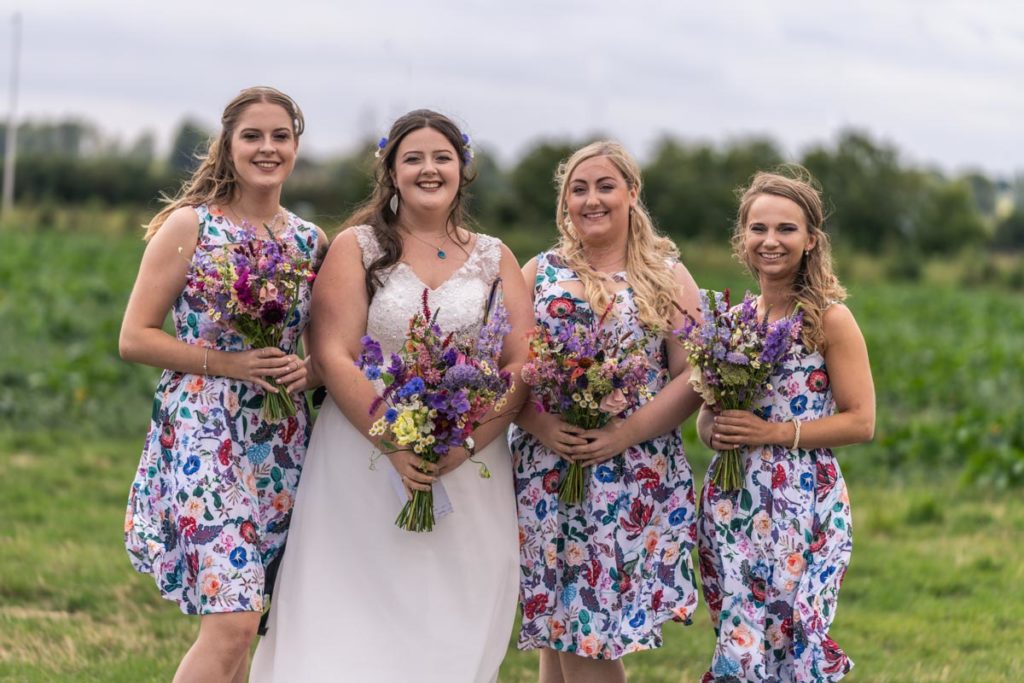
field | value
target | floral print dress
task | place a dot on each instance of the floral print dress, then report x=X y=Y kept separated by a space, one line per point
x=212 y=498
x=773 y=555
x=600 y=578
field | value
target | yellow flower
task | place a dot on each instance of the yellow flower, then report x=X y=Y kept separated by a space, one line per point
x=405 y=428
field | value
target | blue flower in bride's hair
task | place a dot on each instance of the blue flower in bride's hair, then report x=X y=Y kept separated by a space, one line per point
x=381 y=144
x=467 y=150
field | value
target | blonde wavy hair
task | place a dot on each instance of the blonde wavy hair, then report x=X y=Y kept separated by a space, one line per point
x=648 y=253
x=214 y=181
x=816 y=285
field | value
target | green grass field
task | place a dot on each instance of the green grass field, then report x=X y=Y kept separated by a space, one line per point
x=933 y=593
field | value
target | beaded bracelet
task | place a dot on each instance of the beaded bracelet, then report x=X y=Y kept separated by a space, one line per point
x=796 y=435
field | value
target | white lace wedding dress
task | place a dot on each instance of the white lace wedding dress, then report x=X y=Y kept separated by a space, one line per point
x=357 y=598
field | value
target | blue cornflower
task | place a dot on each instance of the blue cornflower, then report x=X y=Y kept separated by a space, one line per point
x=411 y=388
x=372 y=372
x=390 y=415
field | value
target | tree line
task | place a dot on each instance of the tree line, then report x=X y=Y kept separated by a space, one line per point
x=878 y=202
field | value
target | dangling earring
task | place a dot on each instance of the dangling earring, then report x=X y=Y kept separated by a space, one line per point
x=393 y=204
x=807 y=252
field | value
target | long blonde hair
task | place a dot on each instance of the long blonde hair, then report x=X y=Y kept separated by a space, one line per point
x=214 y=181
x=815 y=286
x=648 y=252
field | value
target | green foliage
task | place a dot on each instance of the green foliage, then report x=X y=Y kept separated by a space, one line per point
x=878 y=202
x=871 y=197
x=1010 y=231
x=946 y=360
x=690 y=189
x=533 y=185
x=61 y=312
x=191 y=140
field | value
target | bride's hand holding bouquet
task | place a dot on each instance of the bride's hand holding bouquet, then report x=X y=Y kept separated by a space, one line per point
x=436 y=391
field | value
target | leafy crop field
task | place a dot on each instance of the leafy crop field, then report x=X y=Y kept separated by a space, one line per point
x=933 y=593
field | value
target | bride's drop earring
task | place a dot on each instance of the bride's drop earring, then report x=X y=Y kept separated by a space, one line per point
x=393 y=204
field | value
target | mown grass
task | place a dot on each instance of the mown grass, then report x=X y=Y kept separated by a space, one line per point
x=932 y=595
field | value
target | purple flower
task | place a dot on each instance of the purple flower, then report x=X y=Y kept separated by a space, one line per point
x=461 y=376
x=737 y=358
x=371 y=354
x=273 y=312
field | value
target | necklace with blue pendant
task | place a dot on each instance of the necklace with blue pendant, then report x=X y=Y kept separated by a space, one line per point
x=441 y=254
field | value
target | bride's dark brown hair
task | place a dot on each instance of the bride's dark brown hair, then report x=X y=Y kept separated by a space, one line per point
x=377 y=213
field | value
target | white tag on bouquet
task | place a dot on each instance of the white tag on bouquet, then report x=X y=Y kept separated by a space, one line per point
x=442 y=504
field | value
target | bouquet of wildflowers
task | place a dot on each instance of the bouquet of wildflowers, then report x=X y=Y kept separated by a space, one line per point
x=586 y=375
x=437 y=390
x=253 y=288
x=732 y=357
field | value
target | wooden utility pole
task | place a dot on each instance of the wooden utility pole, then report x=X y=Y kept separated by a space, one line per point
x=11 y=138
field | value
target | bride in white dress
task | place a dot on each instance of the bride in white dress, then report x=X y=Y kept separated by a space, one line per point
x=357 y=598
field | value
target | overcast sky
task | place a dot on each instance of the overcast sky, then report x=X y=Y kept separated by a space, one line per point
x=942 y=80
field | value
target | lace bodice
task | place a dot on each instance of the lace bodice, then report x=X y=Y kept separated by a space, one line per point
x=459 y=300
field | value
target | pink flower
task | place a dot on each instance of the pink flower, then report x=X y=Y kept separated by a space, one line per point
x=614 y=403
x=268 y=292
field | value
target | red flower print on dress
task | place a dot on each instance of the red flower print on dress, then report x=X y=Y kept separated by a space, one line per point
x=592 y=573
x=826 y=478
x=224 y=453
x=551 y=481
x=187 y=526
x=639 y=516
x=562 y=307
x=167 y=434
x=248 y=531
x=817 y=381
x=778 y=476
x=290 y=429
x=648 y=478
x=535 y=605
x=835 y=658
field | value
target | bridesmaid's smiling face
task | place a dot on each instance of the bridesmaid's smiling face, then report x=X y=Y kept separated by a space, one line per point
x=599 y=200
x=426 y=171
x=263 y=147
x=776 y=236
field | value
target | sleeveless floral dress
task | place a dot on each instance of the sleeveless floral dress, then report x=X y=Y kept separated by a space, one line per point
x=212 y=498
x=773 y=555
x=600 y=578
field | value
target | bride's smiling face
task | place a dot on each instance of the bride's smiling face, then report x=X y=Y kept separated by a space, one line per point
x=426 y=171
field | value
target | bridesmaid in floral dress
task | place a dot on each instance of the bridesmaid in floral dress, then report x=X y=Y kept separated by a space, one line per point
x=212 y=498
x=773 y=555
x=599 y=579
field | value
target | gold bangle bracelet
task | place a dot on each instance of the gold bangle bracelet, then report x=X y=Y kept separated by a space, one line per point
x=796 y=435
x=206 y=361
